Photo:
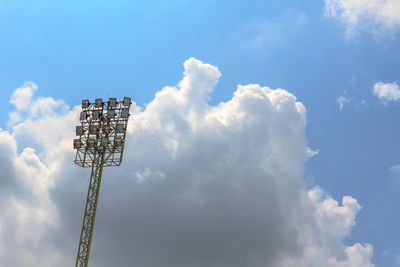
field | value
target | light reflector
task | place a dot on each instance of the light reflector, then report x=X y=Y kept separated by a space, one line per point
x=92 y=129
x=106 y=129
x=92 y=143
x=79 y=130
x=98 y=103
x=85 y=103
x=83 y=115
x=127 y=101
x=120 y=128
x=77 y=143
x=111 y=114
x=124 y=113
x=96 y=115
x=117 y=141
x=112 y=102
x=104 y=142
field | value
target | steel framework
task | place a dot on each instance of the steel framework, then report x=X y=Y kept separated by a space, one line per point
x=100 y=144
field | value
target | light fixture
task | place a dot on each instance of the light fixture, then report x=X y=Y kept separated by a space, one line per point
x=77 y=143
x=92 y=143
x=112 y=102
x=125 y=113
x=96 y=115
x=111 y=113
x=83 y=115
x=85 y=103
x=127 y=101
x=98 y=103
x=120 y=128
x=79 y=130
x=117 y=141
x=92 y=129
x=101 y=143
x=106 y=129
x=104 y=142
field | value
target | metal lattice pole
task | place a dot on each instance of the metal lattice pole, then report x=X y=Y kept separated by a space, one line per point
x=89 y=217
x=100 y=144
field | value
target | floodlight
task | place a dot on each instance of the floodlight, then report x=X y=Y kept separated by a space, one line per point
x=85 y=103
x=101 y=140
x=96 y=115
x=127 y=101
x=92 y=129
x=125 y=113
x=112 y=102
x=106 y=129
x=98 y=103
x=104 y=142
x=83 y=115
x=77 y=143
x=118 y=141
x=79 y=130
x=111 y=114
x=120 y=128
x=92 y=143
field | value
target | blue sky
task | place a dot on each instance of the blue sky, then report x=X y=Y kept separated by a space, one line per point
x=74 y=50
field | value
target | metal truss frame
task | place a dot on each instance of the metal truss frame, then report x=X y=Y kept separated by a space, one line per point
x=89 y=217
x=101 y=144
x=113 y=152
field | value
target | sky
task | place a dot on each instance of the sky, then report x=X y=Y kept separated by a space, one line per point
x=263 y=133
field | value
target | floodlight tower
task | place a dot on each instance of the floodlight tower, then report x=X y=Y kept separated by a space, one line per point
x=100 y=144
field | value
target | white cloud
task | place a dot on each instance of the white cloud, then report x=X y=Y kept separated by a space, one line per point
x=330 y=215
x=147 y=173
x=231 y=191
x=21 y=97
x=395 y=169
x=27 y=210
x=366 y=15
x=387 y=91
x=358 y=255
x=28 y=108
x=341 y=100
x=311 y=153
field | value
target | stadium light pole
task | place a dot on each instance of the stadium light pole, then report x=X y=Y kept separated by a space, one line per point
x=100 y=143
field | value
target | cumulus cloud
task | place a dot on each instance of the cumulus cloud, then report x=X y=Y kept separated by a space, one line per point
x=26 y=109
x=21 y=97
x=200 y=185
x=387 y=91
x=365 y=15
